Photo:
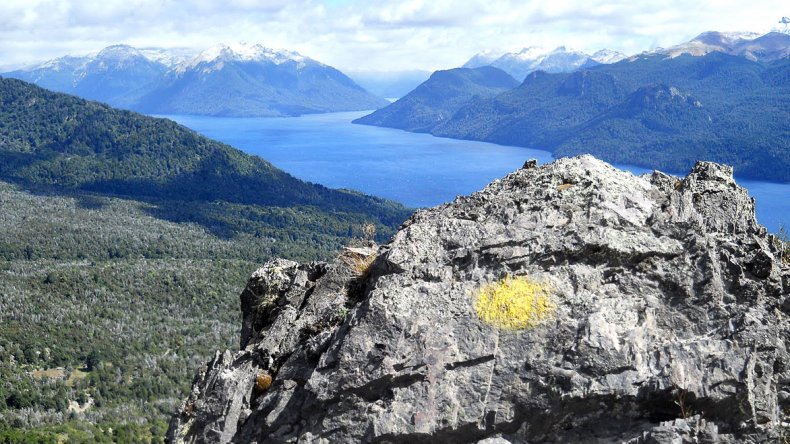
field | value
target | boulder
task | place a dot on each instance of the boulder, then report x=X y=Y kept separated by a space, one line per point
x=663 y=320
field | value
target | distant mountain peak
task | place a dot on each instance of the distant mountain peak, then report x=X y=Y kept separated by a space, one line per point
x=482 y=58
x=532 y=58
x=60 y=63
x=753 y=46
x=728 y=38
x=608 y=56
x=215 y=57
x=531 y=52
x=119 y=51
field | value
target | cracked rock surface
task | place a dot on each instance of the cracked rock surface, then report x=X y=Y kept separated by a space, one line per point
x=671 y=324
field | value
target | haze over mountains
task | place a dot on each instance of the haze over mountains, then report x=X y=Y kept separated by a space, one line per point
x=718 y=97
x=236 y=80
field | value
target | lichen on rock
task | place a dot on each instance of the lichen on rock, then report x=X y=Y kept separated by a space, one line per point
x=514 y=303
x=668 y=323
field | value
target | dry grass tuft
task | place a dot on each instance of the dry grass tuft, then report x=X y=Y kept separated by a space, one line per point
x=263 y=381
x=359 y=260
x=515 y=303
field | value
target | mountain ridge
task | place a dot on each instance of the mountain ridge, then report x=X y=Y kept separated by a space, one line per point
x=530 y=59
x=439 y=97
x=736 y=116
x=768 y=47
x=88 y=146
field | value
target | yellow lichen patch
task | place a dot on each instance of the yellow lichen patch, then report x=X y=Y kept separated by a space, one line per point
x=263 y=381
x=514 y=303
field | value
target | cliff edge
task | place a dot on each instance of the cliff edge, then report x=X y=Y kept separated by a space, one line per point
x=570 y=302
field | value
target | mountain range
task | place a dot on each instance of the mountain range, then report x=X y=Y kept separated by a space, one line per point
x=664 y=109
x=236 y=80
x=753 y=46
x=561 y=59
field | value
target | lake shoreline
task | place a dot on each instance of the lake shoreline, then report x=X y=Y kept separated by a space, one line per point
x=417 y=169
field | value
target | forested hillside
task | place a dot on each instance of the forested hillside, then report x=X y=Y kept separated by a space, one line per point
x=438 y=98
x=57 y=141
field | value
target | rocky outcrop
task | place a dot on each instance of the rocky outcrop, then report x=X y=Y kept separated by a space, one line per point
x=669 y=323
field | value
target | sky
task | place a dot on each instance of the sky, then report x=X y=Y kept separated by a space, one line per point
x=370 y=35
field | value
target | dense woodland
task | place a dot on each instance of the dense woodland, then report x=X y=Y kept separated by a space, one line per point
x=439 y=97
x=124 y=243
x=652 y=111
x=108 y=307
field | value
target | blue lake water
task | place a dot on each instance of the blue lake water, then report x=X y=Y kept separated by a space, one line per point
x=418 y=170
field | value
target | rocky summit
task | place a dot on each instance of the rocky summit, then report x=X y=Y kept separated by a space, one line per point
x=570 y=302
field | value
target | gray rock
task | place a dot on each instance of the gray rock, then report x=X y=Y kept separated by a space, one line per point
x=667 y=324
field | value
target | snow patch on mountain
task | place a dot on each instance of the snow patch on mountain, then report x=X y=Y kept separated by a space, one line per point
x=66 y=63
x=534 y=58
x=170 y=57
x=753 y=46
x=214 y=58
x=484 y=58
x=607 y=56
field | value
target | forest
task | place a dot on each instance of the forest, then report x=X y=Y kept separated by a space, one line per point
x=124 y=243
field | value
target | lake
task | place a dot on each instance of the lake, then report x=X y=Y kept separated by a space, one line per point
x=418 y=170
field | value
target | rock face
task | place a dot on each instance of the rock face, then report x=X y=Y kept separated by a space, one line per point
x=670 y=324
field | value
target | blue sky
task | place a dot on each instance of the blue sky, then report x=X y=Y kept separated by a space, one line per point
x=371 y=34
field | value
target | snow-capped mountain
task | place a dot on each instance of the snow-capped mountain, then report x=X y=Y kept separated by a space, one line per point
x=519 y=64
x=530 y=59
x=214 y=58
x=170 y=57
x=484 y=58
x=117 y=74
x=608 y=56
x=239 y=80
x=564 y=60
x=56 y=74
x=753 y=46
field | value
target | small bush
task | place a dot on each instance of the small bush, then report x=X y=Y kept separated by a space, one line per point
x=514 y=303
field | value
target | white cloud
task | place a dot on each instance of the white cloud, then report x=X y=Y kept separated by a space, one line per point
x=372 y=34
